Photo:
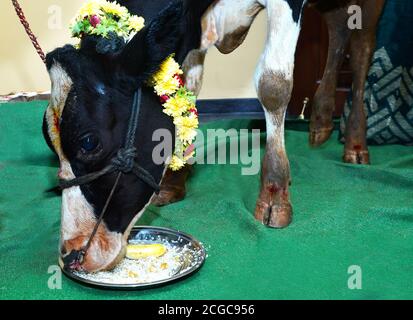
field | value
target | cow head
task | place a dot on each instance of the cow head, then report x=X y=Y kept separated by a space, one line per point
x=86 y=123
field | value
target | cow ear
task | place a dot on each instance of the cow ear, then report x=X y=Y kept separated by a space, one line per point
x=145 y=52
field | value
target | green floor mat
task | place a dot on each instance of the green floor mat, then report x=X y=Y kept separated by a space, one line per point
x=344 y=215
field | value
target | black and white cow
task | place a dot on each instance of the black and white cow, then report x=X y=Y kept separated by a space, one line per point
x=86 y=121
x=87 y=118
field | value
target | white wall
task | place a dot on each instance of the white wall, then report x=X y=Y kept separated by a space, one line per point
x=226 y=76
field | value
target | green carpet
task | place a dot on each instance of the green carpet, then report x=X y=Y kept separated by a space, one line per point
x=343 y=215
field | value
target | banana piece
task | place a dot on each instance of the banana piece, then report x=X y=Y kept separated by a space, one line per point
x=138 y=251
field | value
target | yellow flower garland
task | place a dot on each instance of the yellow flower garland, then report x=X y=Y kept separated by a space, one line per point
x=179 y=103
x=98 y=17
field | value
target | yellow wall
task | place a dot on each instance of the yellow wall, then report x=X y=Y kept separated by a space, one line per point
x=226 y=76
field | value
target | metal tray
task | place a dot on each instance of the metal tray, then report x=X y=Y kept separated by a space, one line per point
x=147 y=234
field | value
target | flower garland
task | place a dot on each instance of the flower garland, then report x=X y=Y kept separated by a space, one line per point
x=100 y=17
x=179 y=103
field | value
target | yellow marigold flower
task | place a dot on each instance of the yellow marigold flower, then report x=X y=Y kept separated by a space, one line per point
x=171 y=67
x=167 y=70
x=186 y=134
x=114 y=8
x=190 y=121
x=186 y=127
x=90 y=8
x=176 y=163
x=175 y=106
x=167 y=87
x=159 y=77
x=136 y=23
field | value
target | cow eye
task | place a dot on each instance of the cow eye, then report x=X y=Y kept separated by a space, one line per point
x=89 y=143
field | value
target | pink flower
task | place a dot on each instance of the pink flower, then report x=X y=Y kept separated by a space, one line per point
x=164 y=98
x=181 y=81
x=94 y=20
x=189 y=150
x=193 y=110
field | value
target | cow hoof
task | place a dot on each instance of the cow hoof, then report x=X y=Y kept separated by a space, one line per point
x=168 y=196
x=356 y=156
x=320 y=136
x=274 y=216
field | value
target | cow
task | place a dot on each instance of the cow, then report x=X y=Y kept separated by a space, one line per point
x=362 y=44
x=92 y=93
x=226 y=25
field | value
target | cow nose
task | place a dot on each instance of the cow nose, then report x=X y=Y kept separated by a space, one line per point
x=73 y=260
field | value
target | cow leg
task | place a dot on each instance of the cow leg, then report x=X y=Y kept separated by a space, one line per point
x=193 y=68
x=274 y=82
x=172 y=186
x=321 y=123
x=225 y=25
x=362 y=46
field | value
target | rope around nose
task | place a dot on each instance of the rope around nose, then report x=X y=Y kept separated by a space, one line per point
x=29 y=32
x=123 y=163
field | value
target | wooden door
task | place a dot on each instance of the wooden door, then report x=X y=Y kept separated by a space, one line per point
x=311 y=56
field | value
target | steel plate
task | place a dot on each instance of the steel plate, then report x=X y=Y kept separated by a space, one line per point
x=190 y=263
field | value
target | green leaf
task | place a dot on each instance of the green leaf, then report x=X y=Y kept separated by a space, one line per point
x=77 y=28
x=100 y=29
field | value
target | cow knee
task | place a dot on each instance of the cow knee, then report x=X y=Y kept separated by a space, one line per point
x=274 y=90
x=193 y=68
